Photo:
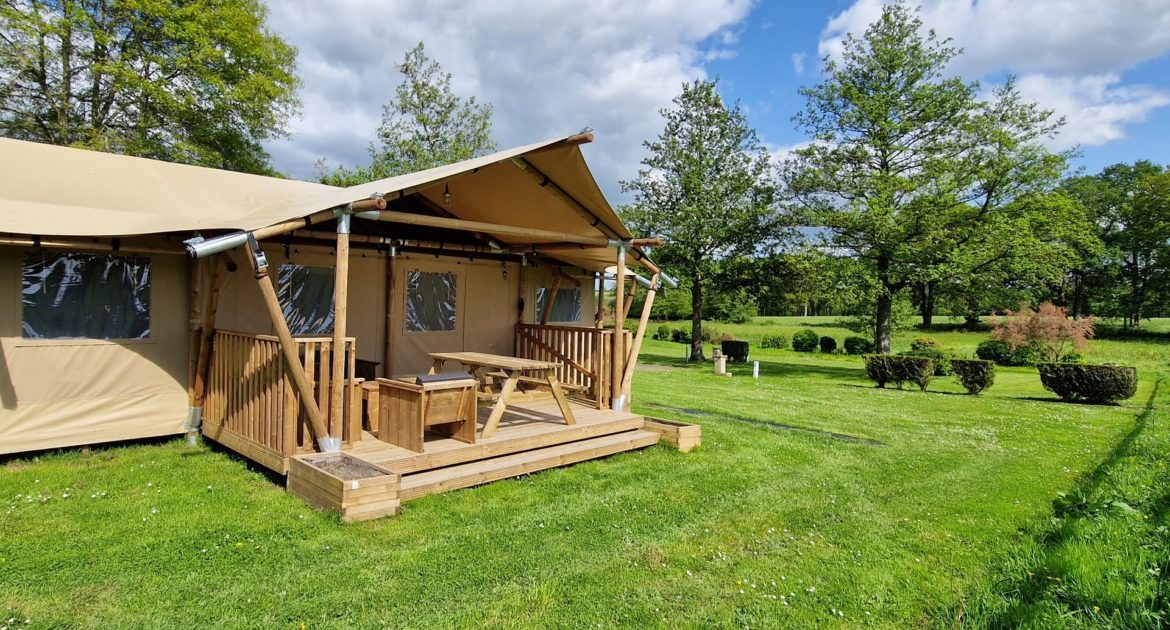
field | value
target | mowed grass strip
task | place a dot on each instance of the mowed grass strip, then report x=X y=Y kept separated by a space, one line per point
x=780 y=519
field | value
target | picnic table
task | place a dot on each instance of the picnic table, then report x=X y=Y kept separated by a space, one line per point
x=514 y=368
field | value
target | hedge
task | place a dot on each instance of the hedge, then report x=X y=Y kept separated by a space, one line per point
x=884 y=368
x=776 y=341
x=942 y=359
x=976 y=375
x=663 y=333
x=858 y=345
x=737 y=351
x=1077 y=382
x=1001 y=353
x=805 y=340
x=828 y=344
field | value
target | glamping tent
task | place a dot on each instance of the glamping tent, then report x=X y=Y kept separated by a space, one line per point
x=158 y=298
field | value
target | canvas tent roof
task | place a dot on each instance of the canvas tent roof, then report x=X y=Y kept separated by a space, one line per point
x=57 y=191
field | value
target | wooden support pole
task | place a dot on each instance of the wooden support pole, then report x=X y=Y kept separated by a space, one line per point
x=406 y=218
x=599 y=317
x=549 y=300
x=340 y=297
x=207 y=329
x=388 y=356
x=630 y=299
x=636 y=347
x=561 y=247
x=619 y=307
x=292 y=358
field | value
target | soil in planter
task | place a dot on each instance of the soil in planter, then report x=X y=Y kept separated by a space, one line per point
x=346 y=468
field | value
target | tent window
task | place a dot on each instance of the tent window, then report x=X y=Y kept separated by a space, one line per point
x=567 y=308
x=430 y=301
x=85 y=296
x=306 y=297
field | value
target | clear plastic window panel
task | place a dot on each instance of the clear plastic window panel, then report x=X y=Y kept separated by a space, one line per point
x=85 y=296
x=567 y=308
x=430 y=301
x=306 y=297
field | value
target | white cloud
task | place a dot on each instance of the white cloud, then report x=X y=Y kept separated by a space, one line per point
x=798 y=62
x=1070 y=55
x=547 y=68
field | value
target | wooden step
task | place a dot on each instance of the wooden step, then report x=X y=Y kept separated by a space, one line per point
x=447 y=452
x=484 y=471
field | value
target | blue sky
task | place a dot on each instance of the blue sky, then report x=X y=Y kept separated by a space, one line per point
x=552 y=67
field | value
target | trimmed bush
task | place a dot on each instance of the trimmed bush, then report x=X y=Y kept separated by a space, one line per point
x=777 y=341
x=884 y=368
x=1001 y=353
x=858 y=345
x=976 y=375
x=942 y=359
x=663 y=333
x=1097 y=384
x=711 y=334
x=736 y=351
x=679 y=335
x=925 y=343
x=805 y=340
x=828 y=344
x=1072 y=357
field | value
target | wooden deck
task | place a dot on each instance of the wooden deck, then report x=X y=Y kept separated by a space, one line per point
x=532 y=436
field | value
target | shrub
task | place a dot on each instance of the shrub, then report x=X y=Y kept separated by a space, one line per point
x=942 y=359
x=858 y=345
x=1072 y=357
x=777 y=341
x=679 y=335
x=1048 y=331
x=976 y=375
x=711 y=334
x=664 y=333
x=735 y=350
x=828 y=344
x=1001 y=353
x=883 y=368
x=925 y=343
x=805 y=340
x=1089 y=383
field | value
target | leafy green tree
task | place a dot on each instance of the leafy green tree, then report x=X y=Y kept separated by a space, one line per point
x=193 y=81
x=1130 y=210
x=426 y=125
x=910 y=172
x=706 y=188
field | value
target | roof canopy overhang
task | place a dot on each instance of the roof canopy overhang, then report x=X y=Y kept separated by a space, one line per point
x=533 y=194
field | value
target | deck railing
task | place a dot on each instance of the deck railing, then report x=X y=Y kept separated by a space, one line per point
x=253 y=407
x=584 y=354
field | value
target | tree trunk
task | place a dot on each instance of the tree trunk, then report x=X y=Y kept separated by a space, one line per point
x=697 y=318
x=881 y=333
x=925 y=294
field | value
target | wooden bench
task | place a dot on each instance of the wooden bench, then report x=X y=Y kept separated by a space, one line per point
x=406 y=410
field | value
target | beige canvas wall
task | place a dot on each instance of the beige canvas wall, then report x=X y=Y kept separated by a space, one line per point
x=486 y=309
x=535 y=277
x=241 y=308
x=58 y=393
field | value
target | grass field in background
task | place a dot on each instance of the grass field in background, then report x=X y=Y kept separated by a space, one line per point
x=815 y=500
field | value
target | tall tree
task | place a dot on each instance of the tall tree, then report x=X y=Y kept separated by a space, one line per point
x=705 y=186
x=909 y=171
x=194 y=81
x=1130 y=208
x=426 y=125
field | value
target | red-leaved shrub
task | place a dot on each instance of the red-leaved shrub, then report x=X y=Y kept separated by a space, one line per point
x=1048 y=330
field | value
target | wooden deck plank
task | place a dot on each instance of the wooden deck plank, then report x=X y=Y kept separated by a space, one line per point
x=485 y=471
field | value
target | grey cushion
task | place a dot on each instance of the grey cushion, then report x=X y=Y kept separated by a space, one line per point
x=423 y=379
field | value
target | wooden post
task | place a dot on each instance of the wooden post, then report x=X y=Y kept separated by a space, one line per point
x=619 y=320
x=207 y=330
x=289 y=348
x=391 y=269
x=340 y=296
x=636 y=347
x=630 y=299
x=550 y=300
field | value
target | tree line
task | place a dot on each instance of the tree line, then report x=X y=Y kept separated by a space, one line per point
x=916 y=193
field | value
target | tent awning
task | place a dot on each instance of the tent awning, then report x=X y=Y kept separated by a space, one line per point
x=48 y=190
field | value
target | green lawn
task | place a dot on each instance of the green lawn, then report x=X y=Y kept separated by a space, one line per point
x=815 y=499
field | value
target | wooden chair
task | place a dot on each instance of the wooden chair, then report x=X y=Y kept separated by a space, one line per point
x=406 y=410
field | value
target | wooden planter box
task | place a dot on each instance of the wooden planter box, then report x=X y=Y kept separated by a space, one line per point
x=680 y=435
x=357 y=489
